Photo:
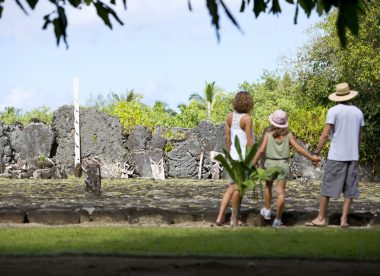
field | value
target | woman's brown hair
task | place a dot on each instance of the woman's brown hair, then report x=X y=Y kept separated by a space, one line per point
x=243 y=102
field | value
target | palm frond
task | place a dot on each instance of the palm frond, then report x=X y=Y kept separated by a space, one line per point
x=198 y=98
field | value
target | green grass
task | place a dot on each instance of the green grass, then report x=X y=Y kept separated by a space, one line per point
x=328 y=243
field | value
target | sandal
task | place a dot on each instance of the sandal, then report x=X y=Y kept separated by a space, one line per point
x=344 y=225
x=314 y=224
x=219 y=223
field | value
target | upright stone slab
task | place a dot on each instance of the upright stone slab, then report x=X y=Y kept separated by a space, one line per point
x=142 y=162
x=35 y=140
x=101 y=137
x=92 y=179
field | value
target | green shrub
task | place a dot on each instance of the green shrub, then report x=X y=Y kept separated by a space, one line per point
x=131 y=114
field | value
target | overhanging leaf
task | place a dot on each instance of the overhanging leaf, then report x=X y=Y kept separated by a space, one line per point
x=75 y=3
x=307 y=6
x=275 y=7
x=230 y=16
x=32 y=3
x=349 y=13
x=21 y=6
x=213 y=10
x=341 y=29
x=103 y=14
x=296 y=15
x=242 y=7
x=259 y=6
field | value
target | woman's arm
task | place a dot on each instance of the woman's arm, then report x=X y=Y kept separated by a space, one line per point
x=228 y=131
x=301 y=150
x=247 y=123
x=261 y=149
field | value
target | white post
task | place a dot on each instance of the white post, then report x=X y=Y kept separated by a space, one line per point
x=200 y=166
x=76 y=119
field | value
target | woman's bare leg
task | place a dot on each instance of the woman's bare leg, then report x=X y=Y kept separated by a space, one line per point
x=235 y=207
x=225 y=201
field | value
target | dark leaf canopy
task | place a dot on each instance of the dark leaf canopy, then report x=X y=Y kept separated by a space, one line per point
x=348 y=12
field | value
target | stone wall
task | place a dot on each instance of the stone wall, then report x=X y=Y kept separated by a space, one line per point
x=101 y=138
x=183 y=153
x=6 y=151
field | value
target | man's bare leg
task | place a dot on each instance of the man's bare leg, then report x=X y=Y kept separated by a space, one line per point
x=321 y=219
x=345 y=210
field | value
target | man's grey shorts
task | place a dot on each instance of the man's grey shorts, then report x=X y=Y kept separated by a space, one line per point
x=340 y=177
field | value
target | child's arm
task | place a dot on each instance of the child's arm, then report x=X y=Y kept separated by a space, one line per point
x=301 y=150
x=261 y=149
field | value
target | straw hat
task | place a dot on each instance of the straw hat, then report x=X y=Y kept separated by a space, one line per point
x=343 y=93
x=278 y=119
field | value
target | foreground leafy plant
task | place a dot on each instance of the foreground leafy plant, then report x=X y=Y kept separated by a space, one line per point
x=242 y=171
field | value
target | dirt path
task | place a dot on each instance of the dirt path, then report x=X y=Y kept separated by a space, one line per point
x=117 y=265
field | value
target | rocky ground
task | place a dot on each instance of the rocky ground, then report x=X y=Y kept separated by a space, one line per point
x=173 y=201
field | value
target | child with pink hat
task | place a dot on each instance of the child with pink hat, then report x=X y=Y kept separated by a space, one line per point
x=276 y=147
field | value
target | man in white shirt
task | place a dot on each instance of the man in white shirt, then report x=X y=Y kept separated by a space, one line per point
x=344 y=123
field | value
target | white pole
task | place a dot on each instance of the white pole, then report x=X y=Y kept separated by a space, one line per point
x=200 y=166
x=76 y=119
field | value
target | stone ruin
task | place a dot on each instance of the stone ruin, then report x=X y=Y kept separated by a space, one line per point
x=41 y=151
x=25 y=152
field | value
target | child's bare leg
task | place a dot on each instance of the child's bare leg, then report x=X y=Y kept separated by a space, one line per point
x=268 y=193
x=346 y=209
x=280 y=198
x=225 y=201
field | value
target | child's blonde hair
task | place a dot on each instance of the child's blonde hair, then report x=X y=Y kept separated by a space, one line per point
x=278 y=131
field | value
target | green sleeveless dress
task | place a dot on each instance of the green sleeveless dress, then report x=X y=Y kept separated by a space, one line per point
x=277 y=155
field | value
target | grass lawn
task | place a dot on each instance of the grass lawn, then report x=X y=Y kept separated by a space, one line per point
x=297 y=242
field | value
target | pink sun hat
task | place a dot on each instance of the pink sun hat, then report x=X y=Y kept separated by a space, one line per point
x=278 y=119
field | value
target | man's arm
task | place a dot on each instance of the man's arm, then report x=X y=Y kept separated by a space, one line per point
x=360 y=137
x=323 y=138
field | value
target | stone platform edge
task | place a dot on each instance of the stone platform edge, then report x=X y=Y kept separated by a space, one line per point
x=157 y=216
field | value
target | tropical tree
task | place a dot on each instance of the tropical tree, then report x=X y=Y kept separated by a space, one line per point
x=323 y=63
x=163 y=107
x=207 y=100
x=222 y=105
x=189 y=115
x=103 y=103
x=43 y=114
x=129 y=96
x=348 y=11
